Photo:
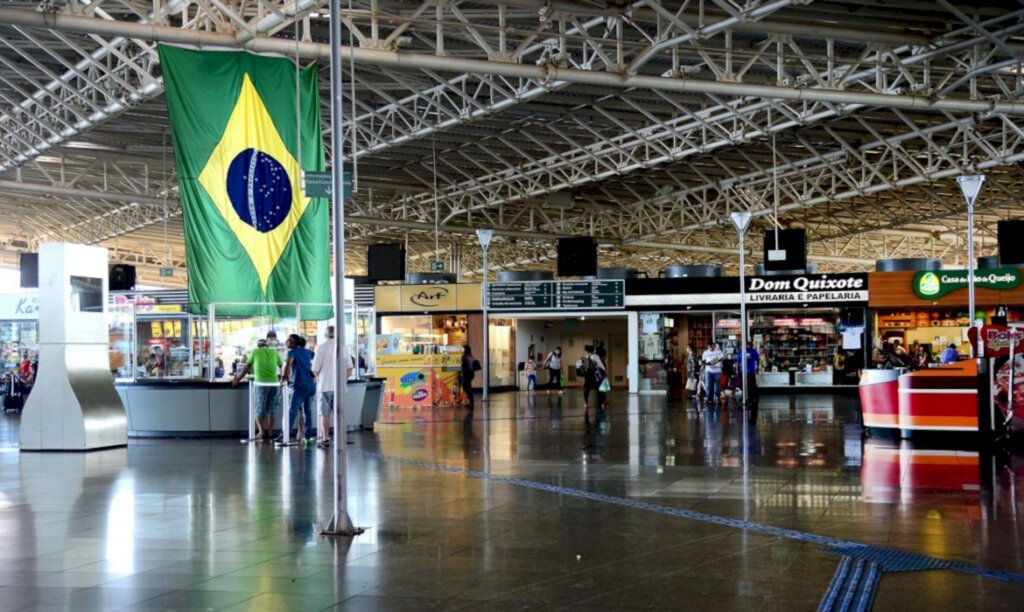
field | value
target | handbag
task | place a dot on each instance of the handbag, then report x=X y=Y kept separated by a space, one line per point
x=605 y=385
x=691 y=384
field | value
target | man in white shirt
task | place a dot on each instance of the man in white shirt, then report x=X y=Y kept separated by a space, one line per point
x=712 y=359
x=323 y=369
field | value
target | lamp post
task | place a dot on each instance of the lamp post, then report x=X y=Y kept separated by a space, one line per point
x=340 y=523
x=970 y=186
x=742 y=221
x=485 y=241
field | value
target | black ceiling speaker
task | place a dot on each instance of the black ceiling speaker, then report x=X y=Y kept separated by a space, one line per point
x=28 y=265
x=122 y=277
x=789 y=253
x=577 y=256
x=1011 y=242
x=385 y=262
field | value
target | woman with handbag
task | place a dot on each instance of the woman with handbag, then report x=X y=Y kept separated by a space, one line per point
x=592 y=369
x=692 y=370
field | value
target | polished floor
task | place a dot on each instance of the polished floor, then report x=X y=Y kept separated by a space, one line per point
x=659 y=505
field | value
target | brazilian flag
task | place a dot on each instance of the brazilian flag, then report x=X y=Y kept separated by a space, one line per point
x=251 y=233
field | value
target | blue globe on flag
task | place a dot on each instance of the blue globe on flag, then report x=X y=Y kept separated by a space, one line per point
x=259 y=189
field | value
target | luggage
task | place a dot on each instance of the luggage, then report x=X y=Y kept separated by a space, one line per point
x=13 y=403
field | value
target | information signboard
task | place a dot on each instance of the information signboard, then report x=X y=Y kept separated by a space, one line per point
x=551 y=295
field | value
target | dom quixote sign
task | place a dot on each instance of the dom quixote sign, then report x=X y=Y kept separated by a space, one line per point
x=930 y=285
x=806 y=288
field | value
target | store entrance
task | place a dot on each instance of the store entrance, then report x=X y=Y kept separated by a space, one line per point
x=539 y=335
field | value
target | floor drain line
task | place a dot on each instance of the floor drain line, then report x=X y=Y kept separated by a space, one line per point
x=887 y=559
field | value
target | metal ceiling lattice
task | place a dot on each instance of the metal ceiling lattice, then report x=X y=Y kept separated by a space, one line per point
x=641 y=123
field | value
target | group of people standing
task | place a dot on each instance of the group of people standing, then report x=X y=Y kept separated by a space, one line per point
x=709 y=374
x=307 y=374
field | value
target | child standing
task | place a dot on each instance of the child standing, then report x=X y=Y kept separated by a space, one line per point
x=531 y=374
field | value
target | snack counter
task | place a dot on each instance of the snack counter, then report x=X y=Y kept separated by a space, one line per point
x=418 y=384
x=937 y=399
x=184 y=407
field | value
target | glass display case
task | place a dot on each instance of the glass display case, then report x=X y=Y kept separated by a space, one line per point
x=150 y=341
x=502 y=353
x=18 y=339
x=654 y=351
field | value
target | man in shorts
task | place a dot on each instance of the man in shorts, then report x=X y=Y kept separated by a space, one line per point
x=264 y=363
x=323 y=369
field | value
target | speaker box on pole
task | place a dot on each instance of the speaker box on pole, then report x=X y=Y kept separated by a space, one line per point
x=122 y=277
x=28 y=265
x=789 y=254
x=1011 y=242
x=385 y=262
x=577 y=256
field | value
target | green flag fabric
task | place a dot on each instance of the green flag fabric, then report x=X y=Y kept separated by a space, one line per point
x=251 y=233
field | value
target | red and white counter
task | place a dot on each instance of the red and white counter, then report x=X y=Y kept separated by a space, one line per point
x=937 y=399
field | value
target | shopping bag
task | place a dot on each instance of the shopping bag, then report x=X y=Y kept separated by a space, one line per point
x=605 y=385
x=691 y=384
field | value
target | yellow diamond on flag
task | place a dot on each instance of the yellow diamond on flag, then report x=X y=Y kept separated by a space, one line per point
x=253 y=180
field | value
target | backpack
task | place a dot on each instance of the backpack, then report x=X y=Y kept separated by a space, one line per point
x=476 y=365
x=585 y=366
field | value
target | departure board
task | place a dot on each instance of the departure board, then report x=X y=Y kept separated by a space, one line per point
x=551 y=295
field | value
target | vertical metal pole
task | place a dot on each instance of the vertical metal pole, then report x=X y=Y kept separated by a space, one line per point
x=252 y=410
x=487 y=331
x=210 y=349
x=340 y=523
x=743 y=322
x=970 y=260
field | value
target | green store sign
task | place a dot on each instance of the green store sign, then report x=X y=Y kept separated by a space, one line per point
x=930 y=285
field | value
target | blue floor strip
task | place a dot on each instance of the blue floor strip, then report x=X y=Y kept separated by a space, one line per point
x=886 y=559
x=853 y=587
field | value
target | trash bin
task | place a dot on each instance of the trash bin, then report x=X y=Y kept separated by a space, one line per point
x=371 y=402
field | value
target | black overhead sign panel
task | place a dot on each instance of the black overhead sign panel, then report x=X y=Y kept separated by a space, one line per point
x=551 y=295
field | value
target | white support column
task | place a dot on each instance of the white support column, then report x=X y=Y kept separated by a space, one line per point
x=73 y=405
x=633 y=340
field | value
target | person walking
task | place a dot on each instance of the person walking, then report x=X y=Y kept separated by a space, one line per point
x=749 y=366
x=298 y=374
x=469 y=367
x=712 y=360
x=325 y=373
x=553 y=363
x=531 y=374
x=591 y=368
x=264 y=363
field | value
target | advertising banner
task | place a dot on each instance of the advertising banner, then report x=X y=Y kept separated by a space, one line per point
x=930 y=285
x=807 y=288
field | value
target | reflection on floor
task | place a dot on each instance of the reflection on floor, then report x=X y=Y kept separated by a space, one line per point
x=187 y=524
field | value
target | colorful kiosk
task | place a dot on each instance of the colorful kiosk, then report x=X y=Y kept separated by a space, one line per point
x=943 y=397
x=423 y=329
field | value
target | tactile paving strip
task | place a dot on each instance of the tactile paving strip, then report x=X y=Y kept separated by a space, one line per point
x=853 y=586
x=834 y=545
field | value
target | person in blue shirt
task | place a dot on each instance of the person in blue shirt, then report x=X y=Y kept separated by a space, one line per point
x=950 y=355
x=750 y=367
x=298 y=372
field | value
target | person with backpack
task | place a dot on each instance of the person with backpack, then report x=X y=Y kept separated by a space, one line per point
x=298 y=374
x=469 y=369
x=554 y=365
x=591 y=368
